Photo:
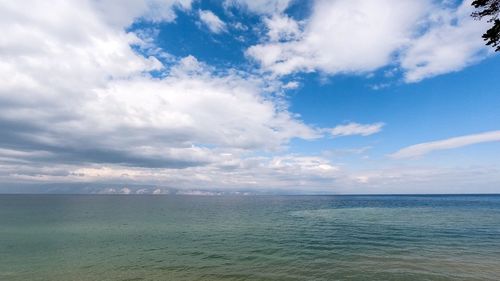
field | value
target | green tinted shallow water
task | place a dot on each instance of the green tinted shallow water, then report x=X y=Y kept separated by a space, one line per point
x=249 y=238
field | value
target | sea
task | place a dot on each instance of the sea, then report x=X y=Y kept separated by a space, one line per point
x=173 y=237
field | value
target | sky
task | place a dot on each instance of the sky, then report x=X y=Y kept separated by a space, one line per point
x=247 y=96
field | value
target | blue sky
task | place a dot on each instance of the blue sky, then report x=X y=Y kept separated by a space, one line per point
x=247 y=96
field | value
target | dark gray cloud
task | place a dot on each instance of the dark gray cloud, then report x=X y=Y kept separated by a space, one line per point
x=23 y=138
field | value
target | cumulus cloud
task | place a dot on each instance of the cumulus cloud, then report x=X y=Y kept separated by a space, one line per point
x=212 y=21
x=85 y=97
x=452 y=42
x=353 y=128
x=344 y=36
x=456 y=142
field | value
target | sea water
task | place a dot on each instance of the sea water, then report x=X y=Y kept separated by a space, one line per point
x=101 y=237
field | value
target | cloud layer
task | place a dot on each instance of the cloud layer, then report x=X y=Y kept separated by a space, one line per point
x=85 y=98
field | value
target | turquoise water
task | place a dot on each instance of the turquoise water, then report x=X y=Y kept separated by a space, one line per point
x=80 y=237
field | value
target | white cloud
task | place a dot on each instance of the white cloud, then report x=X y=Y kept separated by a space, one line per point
x=121 y=13
x=291 y=85
x=452 y=42
x=353 y=128
x=212 y=21
x=344 y=36
x=456 y=142
x=88 y=98
x=282 y=27
x=195 y=107
x=424 y=38
x=260 y=6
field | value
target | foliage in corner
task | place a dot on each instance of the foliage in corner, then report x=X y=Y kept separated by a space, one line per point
x=491 y=9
